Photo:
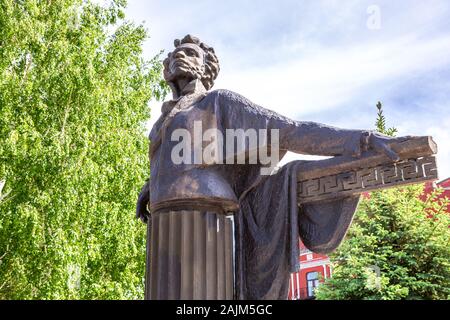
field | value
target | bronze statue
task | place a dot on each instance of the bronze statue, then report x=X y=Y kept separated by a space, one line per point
x=221 y=229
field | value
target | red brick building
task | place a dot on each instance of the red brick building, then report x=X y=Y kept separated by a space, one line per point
x=444 y=184
x=314 y=268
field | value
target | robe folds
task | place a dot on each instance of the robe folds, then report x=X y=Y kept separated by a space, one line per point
x=268 y=227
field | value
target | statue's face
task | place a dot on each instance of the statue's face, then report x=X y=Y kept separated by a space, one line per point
x=187 y=60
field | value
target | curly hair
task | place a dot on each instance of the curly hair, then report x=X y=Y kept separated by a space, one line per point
x=211 y=61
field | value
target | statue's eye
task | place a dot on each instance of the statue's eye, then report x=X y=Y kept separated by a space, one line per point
x=191 y=53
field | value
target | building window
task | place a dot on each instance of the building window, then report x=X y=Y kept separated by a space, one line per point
x=312 y=279
x=304 y=251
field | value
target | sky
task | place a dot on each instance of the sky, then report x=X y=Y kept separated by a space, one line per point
x=328 y=61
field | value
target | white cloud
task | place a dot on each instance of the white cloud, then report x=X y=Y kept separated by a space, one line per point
x=331 y=78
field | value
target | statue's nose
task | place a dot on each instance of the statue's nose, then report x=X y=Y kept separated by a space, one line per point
x=180 y=54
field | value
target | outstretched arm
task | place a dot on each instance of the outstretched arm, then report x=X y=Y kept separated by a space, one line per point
x=318 y=139
x=301 y=137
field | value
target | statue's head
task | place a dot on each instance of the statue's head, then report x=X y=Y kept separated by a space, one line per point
x=191 y=59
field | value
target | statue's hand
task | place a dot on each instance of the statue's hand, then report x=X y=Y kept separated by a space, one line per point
x=142 y=202
x=380 y=144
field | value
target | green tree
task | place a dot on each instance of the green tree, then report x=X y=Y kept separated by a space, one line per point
x=380 y=124
x=396 y=248
x=74 y=92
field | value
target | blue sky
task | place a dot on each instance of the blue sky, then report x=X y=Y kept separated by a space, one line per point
x=327 y=61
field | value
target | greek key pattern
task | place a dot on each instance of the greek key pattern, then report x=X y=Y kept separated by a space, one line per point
x=401 y=173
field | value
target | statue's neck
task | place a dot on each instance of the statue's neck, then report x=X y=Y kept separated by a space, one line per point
x=185 y=86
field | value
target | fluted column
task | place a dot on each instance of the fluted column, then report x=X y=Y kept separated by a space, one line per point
x=190 y=256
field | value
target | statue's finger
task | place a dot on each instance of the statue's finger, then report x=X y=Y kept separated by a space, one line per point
x=357 y=150
x=357 y=153
x=366 y=142
x=390 y=153
x=138 y=211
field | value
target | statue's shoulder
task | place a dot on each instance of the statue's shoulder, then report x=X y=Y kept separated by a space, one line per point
x=229 y=99
x=227 y=95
